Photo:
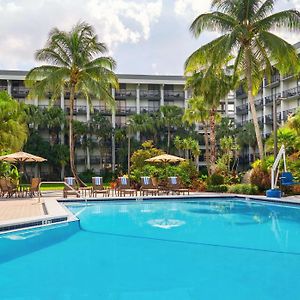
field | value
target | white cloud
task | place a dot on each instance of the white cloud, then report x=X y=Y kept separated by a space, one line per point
x=25 y=24
x=191 y=7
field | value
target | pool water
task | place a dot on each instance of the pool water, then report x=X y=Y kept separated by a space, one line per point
x=202 y=249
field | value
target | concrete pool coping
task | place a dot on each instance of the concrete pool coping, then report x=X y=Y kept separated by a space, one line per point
x=56 y=211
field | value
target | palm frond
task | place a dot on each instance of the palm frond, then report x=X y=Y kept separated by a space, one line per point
x=279 y=51
x=215 y=21
x=287 y=19
x=265 y=9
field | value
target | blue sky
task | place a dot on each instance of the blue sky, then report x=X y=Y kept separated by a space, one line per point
x=144 y=36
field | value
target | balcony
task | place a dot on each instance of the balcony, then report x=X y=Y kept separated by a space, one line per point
x=147 y=109
x=124 y=94
x=259 y=103
x=174 y=95
x=95 y=160
x=101 y=109
x=260 y=122
x=150 y=94
x=19 y=92
x=275 y=80
x=287 y=113
x=290 y=93
x=240 y=93
x=78 y=110
x=269 y=99
x=126 y=110
x=242 y=109
x=80 y=160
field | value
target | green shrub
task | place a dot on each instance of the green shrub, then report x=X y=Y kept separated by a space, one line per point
x=260 y=178
x=87 y=175
x=246 y=189
x=215 y=179
x=222 y=188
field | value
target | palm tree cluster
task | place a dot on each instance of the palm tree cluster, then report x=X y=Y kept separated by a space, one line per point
x=247 y=38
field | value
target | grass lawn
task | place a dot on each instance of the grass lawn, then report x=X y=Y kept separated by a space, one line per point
x=54 y=187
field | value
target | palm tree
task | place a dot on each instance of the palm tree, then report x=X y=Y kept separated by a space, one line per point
x=212 y=83
x=73 y=63
x=246 y=35
x=246 y=137
x=171 y=116
x=54 y=119
x=197 y=112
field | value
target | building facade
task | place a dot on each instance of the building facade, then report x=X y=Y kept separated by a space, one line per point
x=136 y=94
x=284 y=91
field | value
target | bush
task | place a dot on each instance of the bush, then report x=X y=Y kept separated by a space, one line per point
x=215 y=179
x=199 y=185
x=246 y=189
x=217 y=188
x=87 y=175
x=261 y=178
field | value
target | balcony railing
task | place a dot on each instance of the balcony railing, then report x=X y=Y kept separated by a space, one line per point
x=288 y=113
x=78 y=110
x=147 y=109
x=242 y=109
x=3 y=87
x=259 y=103
x=240 y=93
x=173 y=95
x=127 y=110
x=269 y=99
x=289 y=93
x=19 y=92
x=275 y=79
x=150 y=94
x=80 y=160
x=125 y=94
x=101 y=109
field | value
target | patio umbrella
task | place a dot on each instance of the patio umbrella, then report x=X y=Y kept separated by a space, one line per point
x=21 y=157
x=165 y=158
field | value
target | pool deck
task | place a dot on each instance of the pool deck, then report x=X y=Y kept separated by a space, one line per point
x=14 y=211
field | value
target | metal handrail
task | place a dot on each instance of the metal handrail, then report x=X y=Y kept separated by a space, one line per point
x=58 y=182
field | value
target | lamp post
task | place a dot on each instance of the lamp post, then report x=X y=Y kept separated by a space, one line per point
x=275 y=125
x=128 y=147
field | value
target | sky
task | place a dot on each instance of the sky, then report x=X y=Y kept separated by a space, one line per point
x=143 y=36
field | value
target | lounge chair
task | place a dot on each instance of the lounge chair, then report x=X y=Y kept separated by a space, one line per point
x=148 y=186
x=123 y=187
x=70 y=191
x=7 y=188
x=287 y=179
x=98 y=187
x=34 y=188
x=174 y=185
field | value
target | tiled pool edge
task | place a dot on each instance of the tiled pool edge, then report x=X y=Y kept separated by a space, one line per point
x=55 y=213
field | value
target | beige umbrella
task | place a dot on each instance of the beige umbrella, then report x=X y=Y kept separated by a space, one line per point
x=165 y=158
x=21 y=157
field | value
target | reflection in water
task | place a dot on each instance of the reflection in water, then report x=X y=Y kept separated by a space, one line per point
x=166 y=223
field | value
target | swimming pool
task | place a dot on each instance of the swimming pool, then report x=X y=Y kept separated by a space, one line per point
x=188 y=249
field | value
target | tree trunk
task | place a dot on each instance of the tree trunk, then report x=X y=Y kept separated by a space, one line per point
x=169 y=139
x=252 y=106
x=206 y=149
x=71 y=137
x=213 y=155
